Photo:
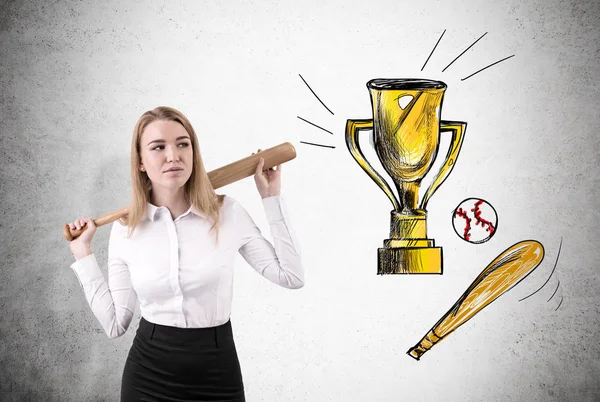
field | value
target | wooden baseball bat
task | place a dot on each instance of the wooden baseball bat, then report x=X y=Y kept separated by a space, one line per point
x=504 y=272
x=219 y=177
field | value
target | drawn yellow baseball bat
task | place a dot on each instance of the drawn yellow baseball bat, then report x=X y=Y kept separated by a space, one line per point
x=504 y=272
x=219 y=177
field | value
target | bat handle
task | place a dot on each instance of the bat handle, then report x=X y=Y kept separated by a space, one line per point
x=101 y=221
x=424 y=345
x=72 y=234
x=75 y=233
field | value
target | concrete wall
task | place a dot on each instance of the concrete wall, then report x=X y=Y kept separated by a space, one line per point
x=76 y=75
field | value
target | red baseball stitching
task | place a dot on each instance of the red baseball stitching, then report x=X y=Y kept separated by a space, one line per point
x=460 y=212
x=481 y=220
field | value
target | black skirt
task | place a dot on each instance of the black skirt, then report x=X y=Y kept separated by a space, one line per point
x=182 y=364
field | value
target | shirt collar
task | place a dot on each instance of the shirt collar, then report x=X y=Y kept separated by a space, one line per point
x=152 y=209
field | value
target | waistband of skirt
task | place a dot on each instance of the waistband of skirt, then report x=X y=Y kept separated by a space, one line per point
x=219 y=335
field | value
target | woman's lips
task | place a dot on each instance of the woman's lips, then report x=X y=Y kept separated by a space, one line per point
x=173 y=172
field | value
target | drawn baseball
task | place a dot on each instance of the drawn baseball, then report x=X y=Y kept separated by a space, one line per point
x=475 y=220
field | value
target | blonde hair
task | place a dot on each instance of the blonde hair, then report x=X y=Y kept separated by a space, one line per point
x=198 y=189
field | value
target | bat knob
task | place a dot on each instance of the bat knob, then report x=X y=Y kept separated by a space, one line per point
x=424 y=345
x=416 y=352
x=67 y=232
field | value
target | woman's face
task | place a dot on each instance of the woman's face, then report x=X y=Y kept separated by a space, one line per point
x=165 y=145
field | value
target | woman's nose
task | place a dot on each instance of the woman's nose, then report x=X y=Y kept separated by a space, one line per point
x=172 y=154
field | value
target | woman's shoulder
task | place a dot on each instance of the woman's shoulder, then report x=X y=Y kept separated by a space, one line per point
x=229 y=202
x=118 y=227
x=118 y=224
x=232 y=207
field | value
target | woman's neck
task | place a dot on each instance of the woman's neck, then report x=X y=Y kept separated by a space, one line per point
x=175 y=201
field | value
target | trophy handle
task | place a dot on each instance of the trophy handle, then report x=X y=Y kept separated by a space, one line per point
x=458 y=129
x=352 y=129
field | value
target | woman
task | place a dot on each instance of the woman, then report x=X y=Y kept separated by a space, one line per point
x=174 y=253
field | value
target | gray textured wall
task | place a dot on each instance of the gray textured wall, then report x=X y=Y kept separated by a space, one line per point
x=75 y=76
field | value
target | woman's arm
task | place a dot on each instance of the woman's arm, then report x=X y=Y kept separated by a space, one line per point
x=281 y=263
x=113 y=304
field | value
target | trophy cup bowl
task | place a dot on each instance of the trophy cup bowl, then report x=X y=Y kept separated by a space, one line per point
x=406 y=130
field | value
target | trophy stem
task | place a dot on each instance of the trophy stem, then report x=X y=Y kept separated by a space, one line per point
x=408 y=192
x=408 y=250
x=405 y=227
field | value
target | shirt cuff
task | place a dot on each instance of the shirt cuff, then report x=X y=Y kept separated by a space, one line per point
x=87 y=269
x=273 y=208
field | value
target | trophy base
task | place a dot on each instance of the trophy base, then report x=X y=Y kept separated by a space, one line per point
x=409 y=260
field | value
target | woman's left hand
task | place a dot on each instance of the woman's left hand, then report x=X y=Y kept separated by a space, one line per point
x=268 y=181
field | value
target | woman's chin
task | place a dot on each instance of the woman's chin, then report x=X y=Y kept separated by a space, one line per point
x=173 y=184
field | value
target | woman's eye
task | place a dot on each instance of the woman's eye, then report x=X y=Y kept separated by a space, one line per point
x=185 y=144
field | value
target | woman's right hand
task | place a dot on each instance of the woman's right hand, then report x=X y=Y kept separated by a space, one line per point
x=82 y=246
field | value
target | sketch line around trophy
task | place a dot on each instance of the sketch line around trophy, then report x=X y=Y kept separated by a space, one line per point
x=464 y=51
x=318 y=145
x=313 y=92
x=433 y=50
x=503 y=273
x=313 y=124
x=551 y=273
x=486 y=67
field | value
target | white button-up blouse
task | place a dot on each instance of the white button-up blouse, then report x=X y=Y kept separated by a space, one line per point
x=179 y=273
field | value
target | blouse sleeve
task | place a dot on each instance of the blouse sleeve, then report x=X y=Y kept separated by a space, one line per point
x=281 y=263
x=113 y=304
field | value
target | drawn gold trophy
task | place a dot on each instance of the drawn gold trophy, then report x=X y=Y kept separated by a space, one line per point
x=407 y=126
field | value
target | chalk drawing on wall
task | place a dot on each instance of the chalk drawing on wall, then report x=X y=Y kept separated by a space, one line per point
x=508 y=269
x=475 y=220
x=406 y=129
x=313 y=124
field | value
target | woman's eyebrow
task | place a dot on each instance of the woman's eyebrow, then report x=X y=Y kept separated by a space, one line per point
x=177 y=139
